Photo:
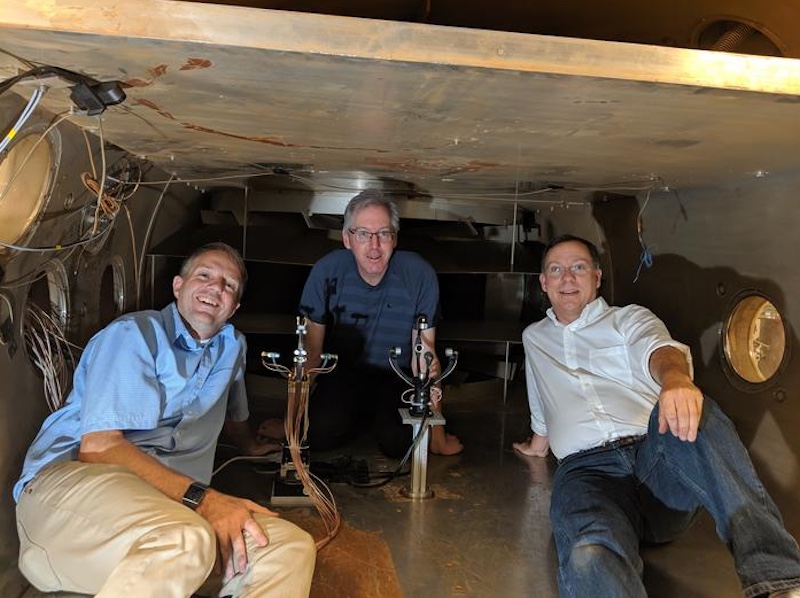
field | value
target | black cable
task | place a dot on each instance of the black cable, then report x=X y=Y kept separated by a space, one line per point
x=403 y=461
x=11 y=82
x=27 y=63
x=87 y=93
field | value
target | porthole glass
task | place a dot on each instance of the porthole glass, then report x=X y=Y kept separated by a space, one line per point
x=755 y=339
x=26 y=174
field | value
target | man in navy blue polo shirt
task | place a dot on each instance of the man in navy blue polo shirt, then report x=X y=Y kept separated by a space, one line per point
x=360 y=302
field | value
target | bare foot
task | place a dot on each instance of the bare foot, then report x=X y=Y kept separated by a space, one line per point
x=263 y=447
x=443 y=443
x=533 y=447
x=271 y=429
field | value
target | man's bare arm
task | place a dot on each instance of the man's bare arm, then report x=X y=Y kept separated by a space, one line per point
x=680 y=401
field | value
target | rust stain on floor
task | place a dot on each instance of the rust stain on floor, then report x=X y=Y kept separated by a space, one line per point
x=356 y=564
x=395 y=493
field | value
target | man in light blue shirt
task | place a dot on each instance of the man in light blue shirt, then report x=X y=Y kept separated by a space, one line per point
x=640 y=448
x=114 y=499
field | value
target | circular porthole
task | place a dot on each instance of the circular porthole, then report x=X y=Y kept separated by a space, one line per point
x=27 y=172
x=755 y=340
x=733 y=34
x=112 y=291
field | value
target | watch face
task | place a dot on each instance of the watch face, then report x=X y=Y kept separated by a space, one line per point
x=194 y=495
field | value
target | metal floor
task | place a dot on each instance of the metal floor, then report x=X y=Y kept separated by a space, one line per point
x=486 y=531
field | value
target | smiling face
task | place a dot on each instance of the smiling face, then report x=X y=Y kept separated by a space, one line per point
x=573 y=286
x=372 y=256
x=208 y=294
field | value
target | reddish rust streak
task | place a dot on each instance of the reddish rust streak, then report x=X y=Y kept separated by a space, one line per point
x=136 y=83
x=266 y=140
x=196 y=63
x=475 y=164
x=157 y=71
x=193 y=127
x=153 y=106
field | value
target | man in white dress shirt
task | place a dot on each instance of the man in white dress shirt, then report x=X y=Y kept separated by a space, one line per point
x=640 y=448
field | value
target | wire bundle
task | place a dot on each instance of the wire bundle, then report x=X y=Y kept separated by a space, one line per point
x=296 y=428
x=51 y=353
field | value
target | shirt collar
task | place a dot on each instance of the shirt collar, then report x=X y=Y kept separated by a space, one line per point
x=180 y=334
x=589 y=313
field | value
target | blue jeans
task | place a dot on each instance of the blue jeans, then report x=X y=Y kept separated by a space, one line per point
x=606 y=500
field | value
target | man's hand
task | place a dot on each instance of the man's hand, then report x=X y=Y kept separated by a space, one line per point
x=680 y=406
x=680 y=401
x=231 y=517
x=535 y=446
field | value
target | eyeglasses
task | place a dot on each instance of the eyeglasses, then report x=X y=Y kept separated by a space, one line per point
x=577 y=269
x=362 y=235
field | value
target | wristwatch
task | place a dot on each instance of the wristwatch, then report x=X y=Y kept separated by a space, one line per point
x=194 y=495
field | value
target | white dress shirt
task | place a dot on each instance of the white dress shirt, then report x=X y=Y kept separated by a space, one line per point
x=589 y=382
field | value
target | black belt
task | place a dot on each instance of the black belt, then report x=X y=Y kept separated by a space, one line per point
x=620 y=442
x=609 y=444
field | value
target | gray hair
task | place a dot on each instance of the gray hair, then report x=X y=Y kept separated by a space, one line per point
x=371 y=197
x=235 y=256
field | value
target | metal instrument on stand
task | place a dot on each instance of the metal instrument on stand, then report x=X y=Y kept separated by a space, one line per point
x=420 y=414
x=292 y=485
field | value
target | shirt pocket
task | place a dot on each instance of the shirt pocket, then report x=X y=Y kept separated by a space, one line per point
x=612 y=363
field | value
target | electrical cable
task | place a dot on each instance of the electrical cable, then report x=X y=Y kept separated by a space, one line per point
x=295 y=422
x=521 y=196
x=398 y=470
x=10 y=306
x=37 y=71
x=3 y=341
x=136 y=273
x=226 y=177
x=113 y=208
x=38 y=273
x=108 y=204
x=89 y=95
x=49 y=350
x=27 y=63
x=146 y=241
x=252 y=458
x=57 y=121
x=36 y=96
x=296 y=429
x=646 y=257
x=60 y=247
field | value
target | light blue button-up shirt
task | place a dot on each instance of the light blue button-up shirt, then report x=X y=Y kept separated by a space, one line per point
x=144 y=374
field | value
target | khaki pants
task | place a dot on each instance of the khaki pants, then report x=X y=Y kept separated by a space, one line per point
x=100 y=529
